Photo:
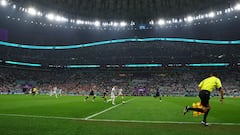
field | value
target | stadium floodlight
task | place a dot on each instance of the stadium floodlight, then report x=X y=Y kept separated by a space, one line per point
x=50 y=16
x=237 y=7
x=123 y=24
x=4 y=3
x=169 y=22
x=151 y=22
x=39 y=13
x=14 y=6
x=132 y=23
x=23 y=9
x=97 y=23
x=174 y=20
x=105 y=24
x=228 y=10
x=59 y=18
x=211 y=14
x=189 y=19
x=80 y=22
x=219 y=12
x=161 y=22
x=115 y=24
x=32 y=11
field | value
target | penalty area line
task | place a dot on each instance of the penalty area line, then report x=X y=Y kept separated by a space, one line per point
x=108 y=109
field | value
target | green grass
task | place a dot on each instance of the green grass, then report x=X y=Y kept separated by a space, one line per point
x=44 y=115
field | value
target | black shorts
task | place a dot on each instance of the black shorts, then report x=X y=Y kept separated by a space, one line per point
x=204 y=96
x=91 y=93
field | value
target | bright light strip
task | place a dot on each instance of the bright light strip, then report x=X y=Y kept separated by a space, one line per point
x=115 y=24
x=189 y=19
x=4 y=3
x=123 y=24
x=58 y=18
x=1 y=61
x=161 y=22
x=97 y=23
x=211 y=15
x=32 y=11
x=237 y=7
x=209 y=65
x=79 y=22
x=23 y=64
x=214 y=42
x=83 y=66
x=142 y=65
x=50 y=16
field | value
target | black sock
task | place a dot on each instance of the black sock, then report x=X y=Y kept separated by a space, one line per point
x=196 y=109
x=205 y=115
x=86 y=98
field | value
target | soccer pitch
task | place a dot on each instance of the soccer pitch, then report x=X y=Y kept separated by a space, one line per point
x=70 y=115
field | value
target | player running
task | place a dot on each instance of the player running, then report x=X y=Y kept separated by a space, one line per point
x=54 y=92
x=105 y=95
x=91 y=94
x=158 y=95
x=113 y=95
x=121 y=94
x=206 y=87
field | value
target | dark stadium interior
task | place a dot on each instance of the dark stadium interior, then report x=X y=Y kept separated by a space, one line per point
x=122 y=53
x=140 y=10
x=27 y=33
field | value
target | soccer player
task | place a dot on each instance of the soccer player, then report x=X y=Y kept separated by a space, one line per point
x=54 y=92
x=113 y=95
x=105 y=95
x=206 y=87
x=121 y=94
x=34 y=91
x=157 y=95
x=91 y=94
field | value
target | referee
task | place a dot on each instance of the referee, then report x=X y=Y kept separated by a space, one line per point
x=206 y=87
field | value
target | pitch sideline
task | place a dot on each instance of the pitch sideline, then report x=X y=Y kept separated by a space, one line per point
x=106 y=120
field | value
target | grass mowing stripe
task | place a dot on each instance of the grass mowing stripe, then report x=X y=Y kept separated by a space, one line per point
x=123 y=121
x=96 y=114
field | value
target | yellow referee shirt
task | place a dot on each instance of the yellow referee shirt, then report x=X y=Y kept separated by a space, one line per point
x=210 y=84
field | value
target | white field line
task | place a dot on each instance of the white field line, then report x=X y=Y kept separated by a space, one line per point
x=108 y=109
x=39 y=116
x=122 y=121
x=162 y=122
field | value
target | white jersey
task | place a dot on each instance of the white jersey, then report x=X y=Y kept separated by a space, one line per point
x=54 y=90
x=120 y=92
x=113 y=92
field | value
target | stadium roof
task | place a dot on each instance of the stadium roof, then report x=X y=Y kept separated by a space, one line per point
x=137 y=10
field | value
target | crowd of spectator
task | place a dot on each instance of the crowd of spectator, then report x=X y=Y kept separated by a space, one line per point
x=170 y=82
